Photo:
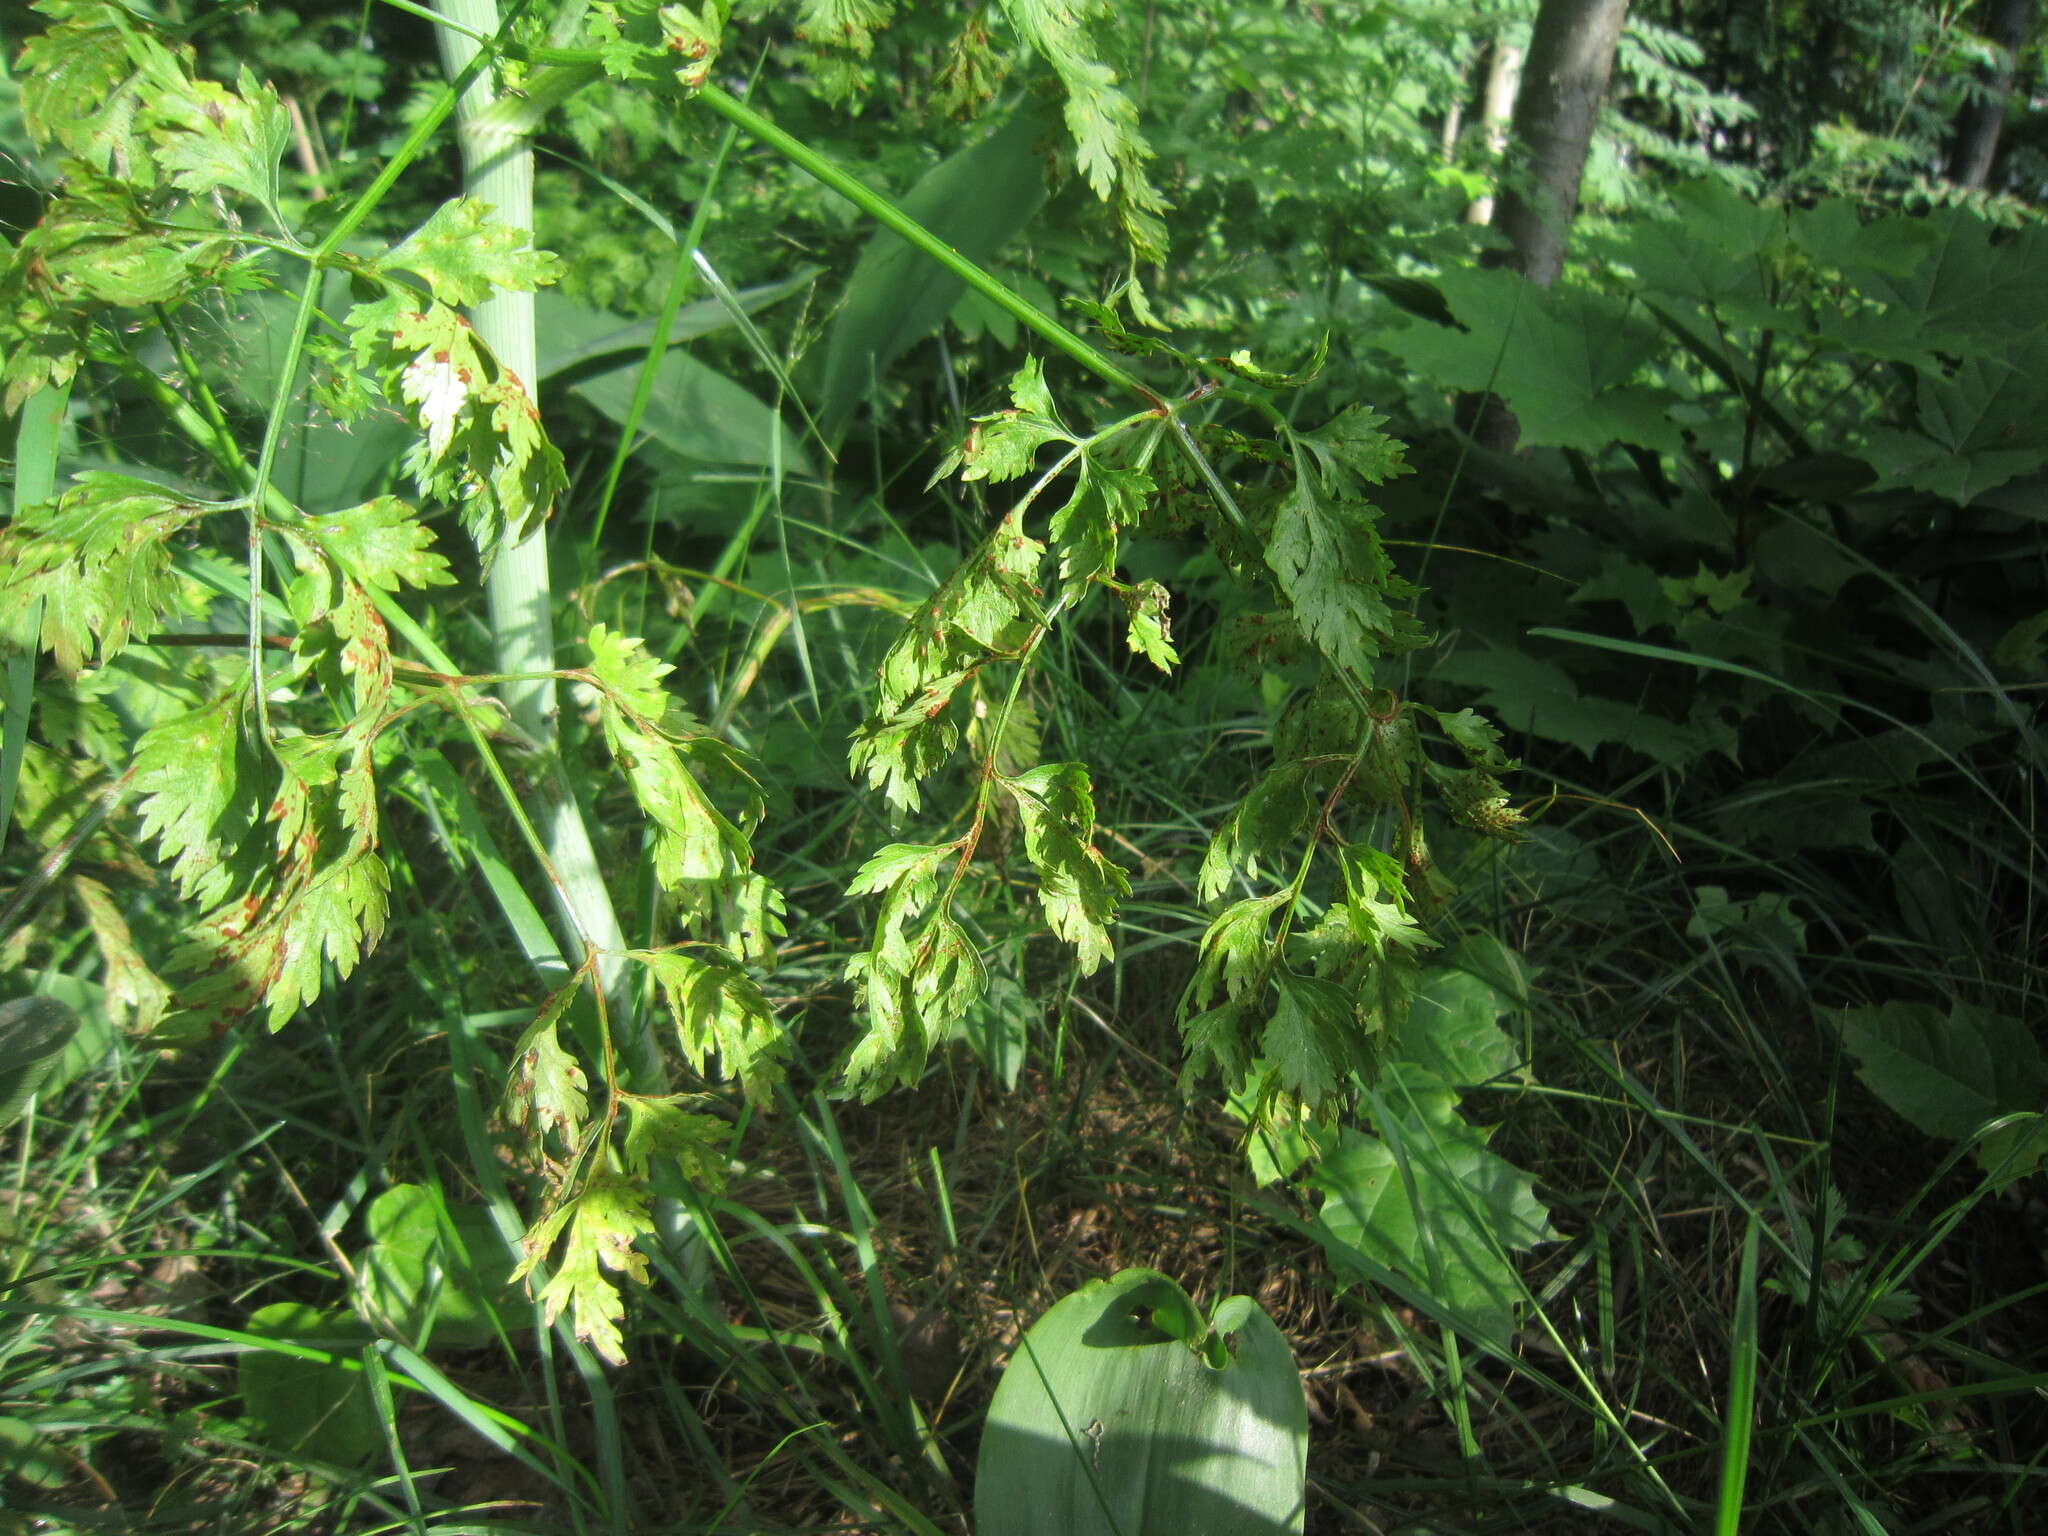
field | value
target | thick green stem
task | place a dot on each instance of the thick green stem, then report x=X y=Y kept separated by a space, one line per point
x=885 y=213
x=497 y=164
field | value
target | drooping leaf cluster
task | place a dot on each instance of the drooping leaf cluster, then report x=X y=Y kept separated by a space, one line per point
x=1294 y=987
x=261 y=788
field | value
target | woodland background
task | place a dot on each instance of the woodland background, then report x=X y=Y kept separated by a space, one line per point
x=1502 y=823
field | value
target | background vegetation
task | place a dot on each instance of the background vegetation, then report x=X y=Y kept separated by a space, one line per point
x=613 y=957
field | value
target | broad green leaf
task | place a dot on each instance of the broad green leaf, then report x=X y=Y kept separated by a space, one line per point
x=34 y=1032
x=441 y=1273
x=1453 y=1030
x=699 y=414
x=309 y=1408
x=1568 y=362
x=1949 y=1073
x=1123 y=1413
x=577 y=342
x=1977 y=427
x=976 y=201
x=1454 y=1232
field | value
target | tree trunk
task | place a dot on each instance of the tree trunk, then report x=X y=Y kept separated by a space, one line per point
x=1503 y=80
x=1564 y=82
x=1978 y=124
x=1571 y=55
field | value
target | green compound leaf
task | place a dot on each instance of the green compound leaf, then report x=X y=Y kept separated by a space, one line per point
x=1427 y=1200
x=336 y=919
x=98 y=560
x=1150 y=633
x=666 y=1129
x=79 y=87
x=596 y=1229
x=481 y=445
x=196 y=778
x=1124 y=1413
x=984 y=611
x=548 y=1089
x=1103 y=121
x=208 y=138
x=1088 y=529
x=1312 y=1038
x=1077 y=886
x=465 y=254
x=1325 y=553
x=381 y=543
x=920 y=976
x=717 y=1007
x=698 y=852
x=1002 y=445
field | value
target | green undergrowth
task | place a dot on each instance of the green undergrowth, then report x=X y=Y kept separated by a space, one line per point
x=1065 y=760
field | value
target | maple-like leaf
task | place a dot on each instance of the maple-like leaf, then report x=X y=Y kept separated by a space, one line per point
x=1428 y=1200
x=465 y=253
